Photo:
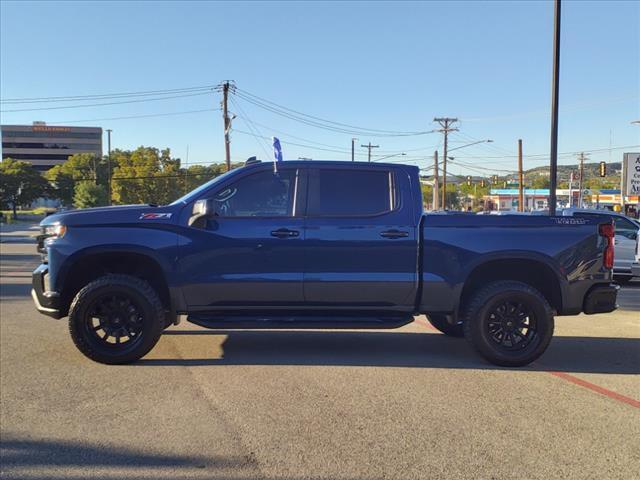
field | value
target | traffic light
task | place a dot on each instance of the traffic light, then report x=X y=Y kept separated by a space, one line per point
x=468 y=180
x=504 y=185
x=495 y=179
x=482 y=183
x=603 y=169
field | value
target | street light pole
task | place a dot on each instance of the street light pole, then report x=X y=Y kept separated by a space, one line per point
x=109 y=163
x=553 y=154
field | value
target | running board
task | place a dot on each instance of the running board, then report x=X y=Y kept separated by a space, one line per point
x=219 y=322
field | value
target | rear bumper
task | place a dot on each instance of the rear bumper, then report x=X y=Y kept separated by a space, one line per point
x=635 y=269
x=47 y=302
x=601 y=299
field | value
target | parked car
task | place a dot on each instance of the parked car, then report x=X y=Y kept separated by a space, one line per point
x=318 y=245
x=627 y=230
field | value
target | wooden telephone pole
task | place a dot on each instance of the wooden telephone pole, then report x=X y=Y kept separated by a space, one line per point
x=227 y=124
x=369 y=146
x=226 y=87
x=445 y=123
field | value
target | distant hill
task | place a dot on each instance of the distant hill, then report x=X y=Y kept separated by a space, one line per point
x=564 y=171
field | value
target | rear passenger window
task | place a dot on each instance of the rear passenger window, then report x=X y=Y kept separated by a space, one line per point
x=343 y=192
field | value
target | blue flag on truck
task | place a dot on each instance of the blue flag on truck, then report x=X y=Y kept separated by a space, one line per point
x=277 y=149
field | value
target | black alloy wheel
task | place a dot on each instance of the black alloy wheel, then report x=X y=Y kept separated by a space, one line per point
x=512 y=325
x=509 y=323
x=116 y=319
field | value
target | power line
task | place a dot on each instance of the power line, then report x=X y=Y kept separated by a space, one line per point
x=103 y=96
x=320 y=123
x=243 y=92
x=621 y=147
x=255 y=132
x=104 y=104
x=167 y=114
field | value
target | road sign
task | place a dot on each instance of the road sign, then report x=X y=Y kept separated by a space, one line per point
x=632 y=173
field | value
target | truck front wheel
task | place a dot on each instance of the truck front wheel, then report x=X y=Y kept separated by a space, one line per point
x=116 y=319
x=510 y=323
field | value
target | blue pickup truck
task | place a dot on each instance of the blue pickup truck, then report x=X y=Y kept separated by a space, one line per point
x=318 y=245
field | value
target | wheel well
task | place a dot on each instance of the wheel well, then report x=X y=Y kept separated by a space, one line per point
x=87 y=269
x=532 y=272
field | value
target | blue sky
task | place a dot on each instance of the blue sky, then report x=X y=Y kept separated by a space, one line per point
x=381 y=65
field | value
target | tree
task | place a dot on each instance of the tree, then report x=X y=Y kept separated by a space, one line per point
x=88 y=194
x=145 y=175
x=427 y=194
x=540 y=182
x=77 y=169
x=20 y=184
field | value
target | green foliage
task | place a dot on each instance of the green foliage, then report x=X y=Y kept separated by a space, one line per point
x=540 y=182
x=20 y=184
x=78 y=169
x=145 y=175
x=427 y=195
x=88 y=194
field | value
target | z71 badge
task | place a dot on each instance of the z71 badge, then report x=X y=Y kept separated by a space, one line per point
x=154 y=216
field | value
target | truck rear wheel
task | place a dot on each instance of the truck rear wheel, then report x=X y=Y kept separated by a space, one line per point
x=510 y=323
x=441 y=324
x=116 y=319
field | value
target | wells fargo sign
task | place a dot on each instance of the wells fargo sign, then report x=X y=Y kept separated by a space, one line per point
x=42 y=128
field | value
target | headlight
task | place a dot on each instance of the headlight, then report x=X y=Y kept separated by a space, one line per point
x=55 y=231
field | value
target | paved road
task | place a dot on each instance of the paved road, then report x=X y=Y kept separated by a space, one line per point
x=409 y=403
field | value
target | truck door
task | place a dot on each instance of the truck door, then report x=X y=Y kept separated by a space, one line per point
x=250 y=253
x=361 y=245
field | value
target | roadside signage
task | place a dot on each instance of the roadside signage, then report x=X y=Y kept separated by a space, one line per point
x=632 y=173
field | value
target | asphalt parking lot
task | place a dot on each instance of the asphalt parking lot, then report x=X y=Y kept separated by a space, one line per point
x=406 y=403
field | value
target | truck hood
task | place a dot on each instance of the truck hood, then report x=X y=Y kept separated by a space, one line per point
x=124 y=214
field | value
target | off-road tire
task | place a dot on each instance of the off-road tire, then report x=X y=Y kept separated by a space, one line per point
x=477 y=319
x=152 y=319
x=440 y=323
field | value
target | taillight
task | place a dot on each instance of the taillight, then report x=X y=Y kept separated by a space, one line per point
x=608 y=231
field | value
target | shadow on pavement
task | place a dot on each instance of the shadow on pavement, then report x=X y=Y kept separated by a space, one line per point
x=401 y=349
x=20 y=456
x=8 y=290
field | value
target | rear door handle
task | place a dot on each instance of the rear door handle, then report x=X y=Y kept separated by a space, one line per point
x=284 y=233
x=394 y=234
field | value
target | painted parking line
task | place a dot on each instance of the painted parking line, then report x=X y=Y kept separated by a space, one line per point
x=597 y=388
x=568 y=377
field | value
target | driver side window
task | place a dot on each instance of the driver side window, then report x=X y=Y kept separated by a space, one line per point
x=262 y=194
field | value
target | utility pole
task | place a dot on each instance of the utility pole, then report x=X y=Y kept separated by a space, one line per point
x=353 y=149
x=369 y=146
x=555 y=90
x=227 y=123
x=436 y=180
x=445 y=123
x=520 y=179
x=581 y=180
x=109 y=163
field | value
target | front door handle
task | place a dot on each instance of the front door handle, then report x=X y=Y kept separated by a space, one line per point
x=285 y=233
x=394 y=234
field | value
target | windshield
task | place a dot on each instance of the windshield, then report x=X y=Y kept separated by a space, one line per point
x=193 y=194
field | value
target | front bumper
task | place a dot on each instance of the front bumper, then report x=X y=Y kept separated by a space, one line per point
x=601 y=299
x=47 y=301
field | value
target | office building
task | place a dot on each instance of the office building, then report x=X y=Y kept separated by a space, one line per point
x=45 y=146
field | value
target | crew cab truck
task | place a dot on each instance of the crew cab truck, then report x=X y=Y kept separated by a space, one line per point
x=318 y=245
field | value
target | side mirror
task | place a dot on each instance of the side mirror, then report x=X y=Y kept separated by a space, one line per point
x=202 y=209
